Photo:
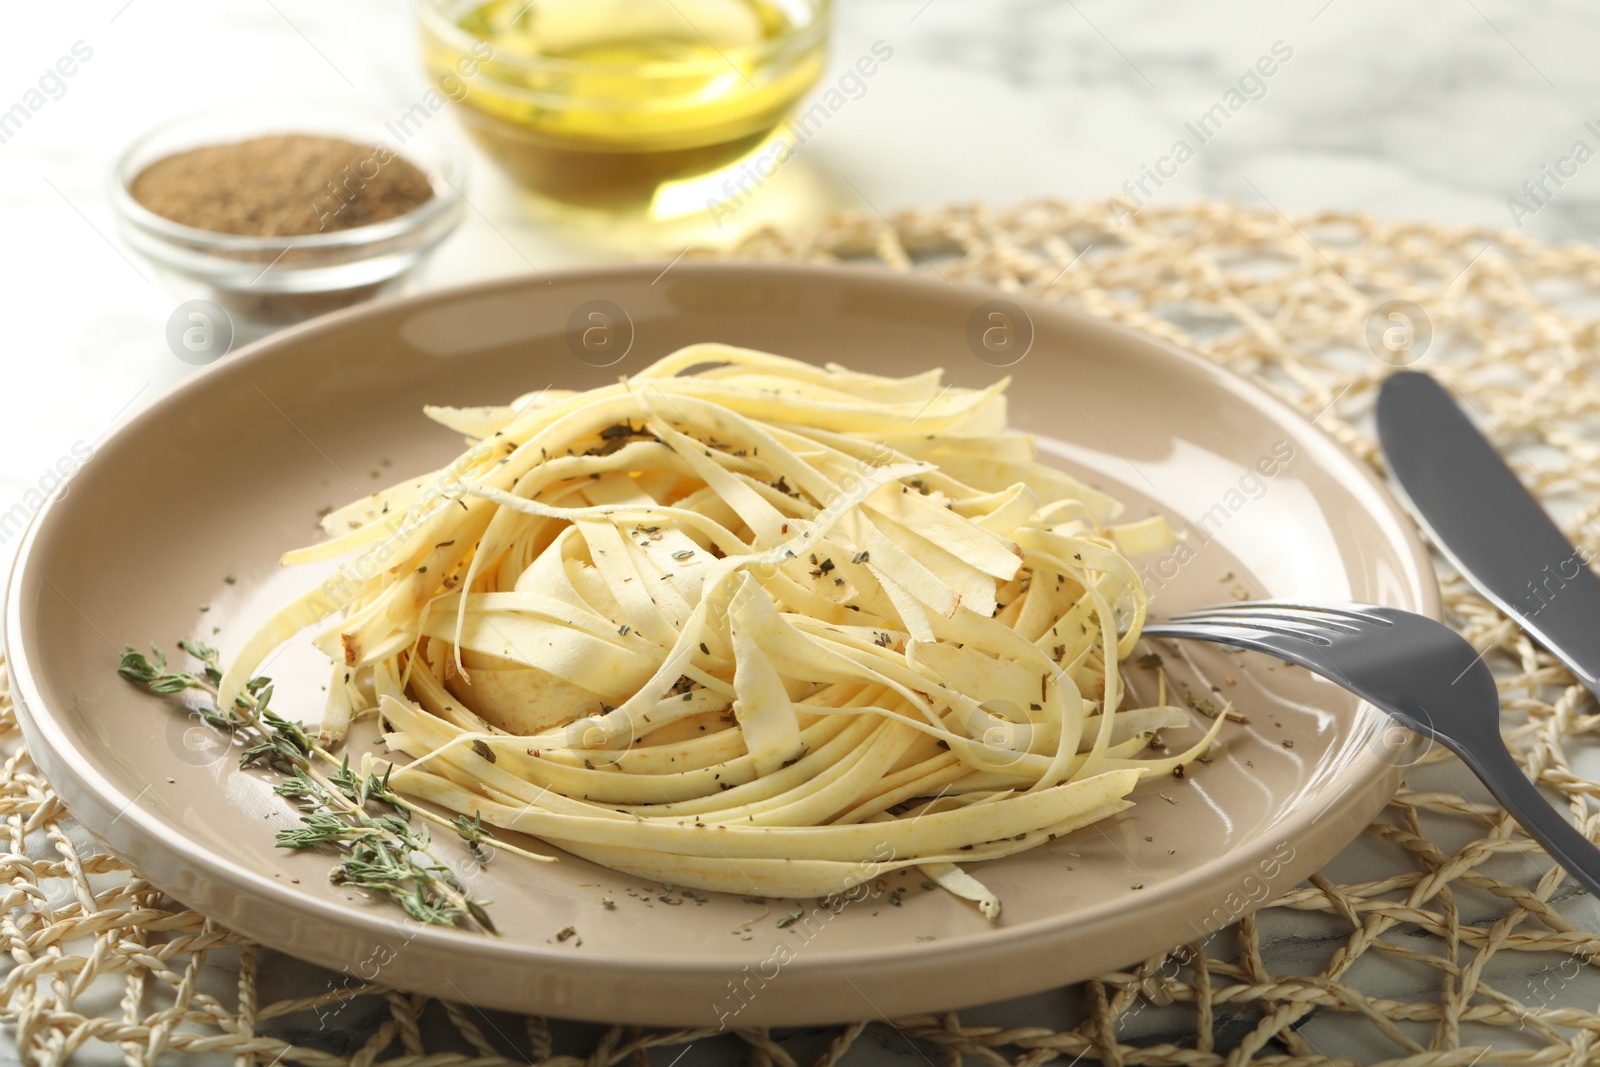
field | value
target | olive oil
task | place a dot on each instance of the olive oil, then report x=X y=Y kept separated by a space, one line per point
x=599 y=102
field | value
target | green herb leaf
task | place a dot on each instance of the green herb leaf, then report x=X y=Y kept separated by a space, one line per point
x=381 y=851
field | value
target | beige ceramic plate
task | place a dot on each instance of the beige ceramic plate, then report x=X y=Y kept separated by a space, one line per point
x=176 y=525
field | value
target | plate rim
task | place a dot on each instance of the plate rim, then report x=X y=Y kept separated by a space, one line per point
x=49 y=742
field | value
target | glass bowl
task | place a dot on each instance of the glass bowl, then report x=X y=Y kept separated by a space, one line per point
x=276 y=281
x=618 y=99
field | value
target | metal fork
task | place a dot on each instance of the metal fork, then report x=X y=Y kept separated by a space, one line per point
x=1419 y=671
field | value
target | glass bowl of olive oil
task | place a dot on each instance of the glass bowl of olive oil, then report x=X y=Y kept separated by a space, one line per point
x=600 y=103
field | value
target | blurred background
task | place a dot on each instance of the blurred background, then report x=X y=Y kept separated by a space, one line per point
x=1461 y=112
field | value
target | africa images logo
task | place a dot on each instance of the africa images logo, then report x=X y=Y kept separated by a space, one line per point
x=15 y=518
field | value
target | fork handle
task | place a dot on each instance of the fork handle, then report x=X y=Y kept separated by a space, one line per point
x=1544 y=823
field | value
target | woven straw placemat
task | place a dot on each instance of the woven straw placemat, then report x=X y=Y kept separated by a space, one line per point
x=1446 y=890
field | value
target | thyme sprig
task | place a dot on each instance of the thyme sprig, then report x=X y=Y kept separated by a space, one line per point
x=355 y=812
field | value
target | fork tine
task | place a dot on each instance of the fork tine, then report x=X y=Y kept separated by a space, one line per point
x=1347 y=611
x=1305 y=632
x=1297 y=649
x=1251 y=612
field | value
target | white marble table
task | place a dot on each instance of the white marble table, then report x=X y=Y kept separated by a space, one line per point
x=1436 y=111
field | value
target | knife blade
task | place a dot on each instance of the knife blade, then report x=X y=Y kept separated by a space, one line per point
x=1487 y=524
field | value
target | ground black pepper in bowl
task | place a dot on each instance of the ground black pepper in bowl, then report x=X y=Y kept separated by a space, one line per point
x=282 y=185
x=280 y=214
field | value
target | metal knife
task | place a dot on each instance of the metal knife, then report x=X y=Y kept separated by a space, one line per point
x=1487 y=523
